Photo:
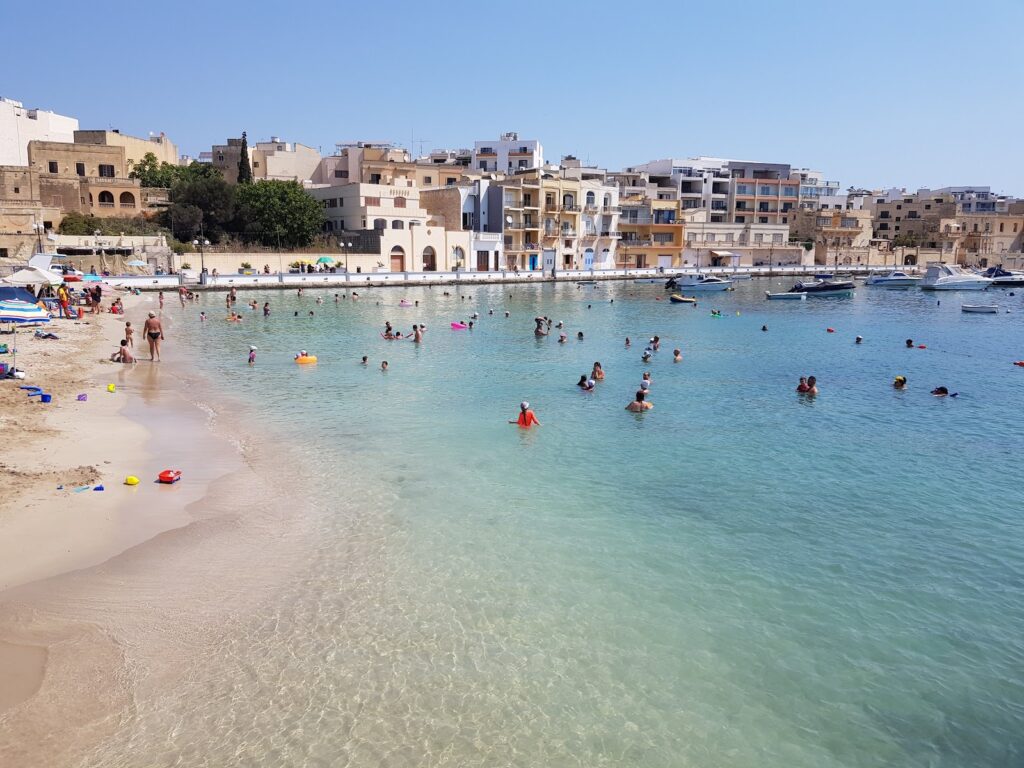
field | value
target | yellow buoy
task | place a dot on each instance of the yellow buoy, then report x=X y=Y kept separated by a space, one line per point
x=111 y=388
x=131 y=480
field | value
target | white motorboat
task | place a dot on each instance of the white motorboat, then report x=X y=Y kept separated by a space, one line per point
x=894 y=279
x=950 y=277
x=788 y=296
x=824 y=288
x=701 y=282
x=980 y=309
x=1006 y=278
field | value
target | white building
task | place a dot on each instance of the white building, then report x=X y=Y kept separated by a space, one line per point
x=19 y=126
x=283 y=160
x=508 y=154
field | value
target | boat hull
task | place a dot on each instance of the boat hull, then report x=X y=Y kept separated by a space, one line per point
x=676 y=299
x=958 y=285
x=980 y=309
x=895 y=282
x=724 y=286
x=785 y=296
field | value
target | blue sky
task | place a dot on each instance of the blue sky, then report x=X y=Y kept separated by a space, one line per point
x=873 y=93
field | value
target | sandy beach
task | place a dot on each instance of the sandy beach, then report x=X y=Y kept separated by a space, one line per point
x=67 y=604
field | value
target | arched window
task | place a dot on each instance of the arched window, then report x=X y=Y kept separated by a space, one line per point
x=429 y=260
x=398 y=224
x=591 y=198
x=380 y=223
x=127 y=200
x=459 y=254
x=568 y=201
x=106 y=199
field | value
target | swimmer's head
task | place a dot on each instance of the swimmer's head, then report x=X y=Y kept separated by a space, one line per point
x=524 y=406
x=152 y=314
x=252 y=348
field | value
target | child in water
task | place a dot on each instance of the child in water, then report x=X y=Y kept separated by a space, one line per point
x=252 y=355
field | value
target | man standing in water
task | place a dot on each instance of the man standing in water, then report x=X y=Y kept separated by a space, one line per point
x=154 y=331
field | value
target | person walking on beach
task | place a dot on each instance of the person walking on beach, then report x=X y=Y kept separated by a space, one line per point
x=527 y=418
x=154 y=331
x=182 y=295
x=129 y=334
x=161 y=297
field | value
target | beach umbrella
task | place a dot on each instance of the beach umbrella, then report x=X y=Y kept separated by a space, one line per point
x=325 y=260
x=136 y=263
x=33 y=276
x=19 y=313
x=303 y=261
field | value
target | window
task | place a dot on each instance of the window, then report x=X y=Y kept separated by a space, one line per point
x=883 y=215
x=483 y=165
x=339 y=174
x=777 y=237
x=486 y=150
x=220 y=158
x=372 y=201
x=399 y=202
x=765 y=189
x=80 y=169
x=375 y=178
x=467 y=221
x=758 y=238
x=127 y=200
x=17 y=190
x=256 y=164
x=899 y=207
x=1000 y=226
x=742 y=189
x=789 y=191
x=52 y=166
x=762 y=219
x=927 y=206
x=824 y=221
x=741 y=219
x=524 y=149
x=3 y=253
x=450 y=181
x=711 y=237
x=398 y=224
x=332 y=203
x=883 y=227
x=380 y=224
x=762 y=206
x=428 y=179
x=107 y=171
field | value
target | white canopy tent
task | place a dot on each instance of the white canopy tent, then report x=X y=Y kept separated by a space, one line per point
x=33 y=277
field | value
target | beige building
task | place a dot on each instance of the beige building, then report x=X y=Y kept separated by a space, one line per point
x=985 y=239
x=283 y=161
x=134 y=148
x=840 y=228
x=652 y=232
x=371 y=163
x=912 y=219
x=90 y=178
x=736 y=244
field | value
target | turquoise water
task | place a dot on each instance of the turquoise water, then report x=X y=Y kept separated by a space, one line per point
x=740 y=577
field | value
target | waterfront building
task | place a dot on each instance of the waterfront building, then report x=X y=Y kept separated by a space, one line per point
x=735 y=244
x=389 y=229
x=474 y=207
x=135 y=149
x=911 y=219
x=19 y=126
x=509 y=154
x=985 y=239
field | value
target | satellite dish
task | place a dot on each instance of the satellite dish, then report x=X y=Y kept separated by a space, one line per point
x=508 y=219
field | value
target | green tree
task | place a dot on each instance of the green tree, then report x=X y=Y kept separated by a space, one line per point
x=213 y=197
x=244 y=170
x=273 y=211
x=75 y=223
x=150 y=173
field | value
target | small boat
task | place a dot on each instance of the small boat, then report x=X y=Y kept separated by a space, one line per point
x=675 y=298
x=950 y=277
x=894 y=279
x=648 y=280
x=701 y=282
x=824 y=288
x=1003 y=277
x=790 y=296
x=586 y=282
x=980 y=309
x=740 y=276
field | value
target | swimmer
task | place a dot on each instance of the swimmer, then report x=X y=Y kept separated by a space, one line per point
x=910 y=343
x=647 y=377
x=588 y=306
x=764 y=328
x=562 y=338
x=489 y=312
x=252 y=355
x=639 y=404
x=812 y=385
x=298 y=292
x=296 y=314
x=311 y=313
x=539 y=330
x=579 y=336
x=336 y=298
x=319 y=299
x=677 y=356
x=364 y=361
x=900 y=382
x=657 y=343
x=266 y=309
x=645 y=385
x=384 y=365
x=417 y=302
x=646 y=356
x=858 y=340
x=582 y=383
x=507 y=313
x=943 y=392
x=589 y=385
x=417 y=334
x=470 y=325
x=202 y=317
x=628 y=342
x=301 y=354
x=802 y=386
x=597 y=373
x=527 y=418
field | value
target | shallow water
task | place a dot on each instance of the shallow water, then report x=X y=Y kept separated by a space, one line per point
x=740 y=577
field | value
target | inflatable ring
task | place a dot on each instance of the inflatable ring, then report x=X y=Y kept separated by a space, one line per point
x=306 y=359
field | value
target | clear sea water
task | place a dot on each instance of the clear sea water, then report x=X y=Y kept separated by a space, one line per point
x=740 y=577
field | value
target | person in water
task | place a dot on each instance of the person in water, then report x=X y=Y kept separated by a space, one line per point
x=944 y=392
x=656 y=343
x=539 y=330
x=677 y=356
x=562 y=338
x=527 y=418
x=812 y=385
x=266 y=309
x=646 y=356
x=900 y=382
x=802 y=386
x=365 y=360
x=647 y=377
x=384 y=365
x=910 y=343
x=302 y=353
x=252 y=355
x=597 y=373
x=639 y=404
x=628 y=342
x=764 y=328
x=859 y=340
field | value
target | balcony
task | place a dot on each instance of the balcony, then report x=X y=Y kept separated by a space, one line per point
x=637 y=243
x=559 y=233
x=530 y=204
x=553 y=207
x=590 y=208
x=570 y=209
x=510 y=203
x=612 y=209
x=635 y=221
x=611 y=234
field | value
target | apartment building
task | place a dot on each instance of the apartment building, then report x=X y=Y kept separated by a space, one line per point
x=734 y=244
x=382 y=163
x=509 y=154
x=912 y=219
x=651 y=232
x=389 y=224
x=474 y=207
x=554 y=219
x=19 y=126
x=283 y=160
x=986 y=239
x=814 y=187
x=135 y=149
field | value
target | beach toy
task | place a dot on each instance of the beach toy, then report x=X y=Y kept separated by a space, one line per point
x=830 y=330
x=81 y=488
x=404 y=303
x=99 y=488
x=459 y=326
x=45 y=398
x=921 y=346
x=169 y=476
x=305 y=359
x=82 y=398
x=131 y=480
x=111 y=388
x=32 y=390
x=1020 y=363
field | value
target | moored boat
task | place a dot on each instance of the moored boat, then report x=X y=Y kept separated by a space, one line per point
x=824 y=288
x=675 y=298
x=788 y=296
x=951 y=277
x=701 y=282
x=1004 y=277
x=980 y=309
x=895 y=279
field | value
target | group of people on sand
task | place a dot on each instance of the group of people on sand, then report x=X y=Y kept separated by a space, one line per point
x=154 y=330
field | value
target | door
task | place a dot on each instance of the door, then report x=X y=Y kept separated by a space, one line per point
x=549 y=259
x=665 y=262
x=482 y=260
x=397 y=262
x=533 y=261
x=588 y=259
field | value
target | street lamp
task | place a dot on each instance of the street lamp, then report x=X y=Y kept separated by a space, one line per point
x=346 y=247
x=202 y=259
